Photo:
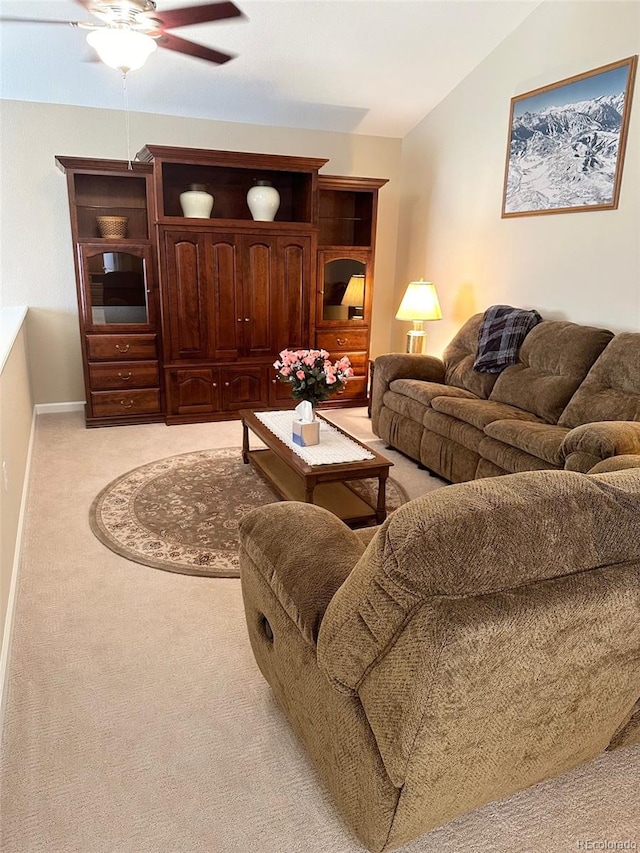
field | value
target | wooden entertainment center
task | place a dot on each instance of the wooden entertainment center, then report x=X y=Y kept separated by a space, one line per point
x=181 y=318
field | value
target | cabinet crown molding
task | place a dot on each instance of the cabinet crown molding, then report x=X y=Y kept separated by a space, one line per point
x=242 y=159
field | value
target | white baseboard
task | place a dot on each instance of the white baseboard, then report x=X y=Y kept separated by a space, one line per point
x=55 y=408
x=11 y=602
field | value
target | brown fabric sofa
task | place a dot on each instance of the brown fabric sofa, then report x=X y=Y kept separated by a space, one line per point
x=572 y=400
x=485 y=639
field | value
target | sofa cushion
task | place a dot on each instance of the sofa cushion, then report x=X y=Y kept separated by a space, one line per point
x=611 y=391
x=554 y=359
x=458 y=361
x=404 y=406
x=478 y=413
x=617 y=463
x=424 y=392
x=502 y=332
x=453 y=428
x=541 y=440
x=512 y=459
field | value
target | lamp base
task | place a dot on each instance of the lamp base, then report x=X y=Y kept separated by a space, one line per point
x=416 y=341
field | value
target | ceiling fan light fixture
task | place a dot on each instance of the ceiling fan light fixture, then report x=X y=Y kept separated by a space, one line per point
x=123 y=49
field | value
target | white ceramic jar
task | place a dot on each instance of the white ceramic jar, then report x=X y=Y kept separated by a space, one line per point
x=263 y=201
x=196 y=202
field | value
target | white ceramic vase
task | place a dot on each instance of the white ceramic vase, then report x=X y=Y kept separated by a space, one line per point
x=263 y=201
x=196 y=202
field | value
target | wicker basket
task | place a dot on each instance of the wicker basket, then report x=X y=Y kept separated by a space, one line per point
x=112 y=227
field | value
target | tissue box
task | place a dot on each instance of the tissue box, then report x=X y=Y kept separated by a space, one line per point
x=306 y=434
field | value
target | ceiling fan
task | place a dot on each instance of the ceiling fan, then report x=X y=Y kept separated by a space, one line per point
x=132 y=29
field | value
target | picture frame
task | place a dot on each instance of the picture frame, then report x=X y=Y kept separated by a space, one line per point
x=566 y=143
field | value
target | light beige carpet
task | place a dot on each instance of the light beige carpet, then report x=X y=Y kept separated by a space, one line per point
x=137 y=720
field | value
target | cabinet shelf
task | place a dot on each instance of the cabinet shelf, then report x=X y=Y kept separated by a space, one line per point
x=111 y=205
x=229 y=186
x=346 y=248
x=114 y=241
x=345 y=218
x=137 y=227
x=255 y=226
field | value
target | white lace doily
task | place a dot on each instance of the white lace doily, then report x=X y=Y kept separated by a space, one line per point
x=334 y=446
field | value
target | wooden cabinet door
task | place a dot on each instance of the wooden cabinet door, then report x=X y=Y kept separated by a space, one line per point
x=290 y=303
x=259 y=288
x=185 y=297
x=335 y=306
x=224 y=295
x=117 y=287
x=243 y=387
x=193 y=391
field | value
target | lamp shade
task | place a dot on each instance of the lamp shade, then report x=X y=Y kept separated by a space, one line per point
x=122 y=49
x=420 y=302
x=354 y=294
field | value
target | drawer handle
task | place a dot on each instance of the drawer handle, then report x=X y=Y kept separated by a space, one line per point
x=247 y=319
x=125 y=378
x=214 y=384
x=124 y=348
x=226 y=384
x=341 y=342
x=126 y=405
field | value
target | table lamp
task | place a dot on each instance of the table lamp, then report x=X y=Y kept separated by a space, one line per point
x=354 y=296
x=419 y=303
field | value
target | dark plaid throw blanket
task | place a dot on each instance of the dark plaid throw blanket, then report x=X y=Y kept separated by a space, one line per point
x=502 y=331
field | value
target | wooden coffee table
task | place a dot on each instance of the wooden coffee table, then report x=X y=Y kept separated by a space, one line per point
x=325 y=485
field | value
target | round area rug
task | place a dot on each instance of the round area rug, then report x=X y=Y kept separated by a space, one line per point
x=182 y=514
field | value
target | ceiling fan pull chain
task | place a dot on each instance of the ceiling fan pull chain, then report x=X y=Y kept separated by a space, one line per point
x=125 y=95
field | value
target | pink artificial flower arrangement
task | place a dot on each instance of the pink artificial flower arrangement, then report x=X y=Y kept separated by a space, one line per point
x=311 y=374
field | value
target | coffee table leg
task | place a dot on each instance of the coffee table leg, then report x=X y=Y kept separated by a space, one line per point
x=245 y=443
x=309 y=486
x=381 y=509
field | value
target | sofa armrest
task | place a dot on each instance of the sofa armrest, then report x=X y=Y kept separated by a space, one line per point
x=304 y=553
x=586 y=445
x=401 y=366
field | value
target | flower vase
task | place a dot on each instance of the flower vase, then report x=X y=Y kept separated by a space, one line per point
x=263 y=201
x=196 y=202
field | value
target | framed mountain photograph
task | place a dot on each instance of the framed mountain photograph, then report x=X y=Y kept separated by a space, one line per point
x=566 y=143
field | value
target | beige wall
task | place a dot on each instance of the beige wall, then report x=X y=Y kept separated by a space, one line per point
x=16 y=407
x=36 y=239
x=582 y=266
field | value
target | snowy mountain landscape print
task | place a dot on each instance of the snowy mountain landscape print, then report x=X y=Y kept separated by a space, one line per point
x=567 y=143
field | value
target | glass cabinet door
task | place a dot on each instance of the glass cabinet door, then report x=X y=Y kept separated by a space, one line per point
x=343 y=290
x=116 y=286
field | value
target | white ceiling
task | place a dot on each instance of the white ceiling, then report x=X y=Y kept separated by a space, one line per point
x=360 y=66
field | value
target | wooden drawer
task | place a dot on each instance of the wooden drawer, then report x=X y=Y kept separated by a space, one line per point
x=110 y=403
x=343 y=340
x=119 y=347
x=355 y=387
x=359 y=362
x=124 y=374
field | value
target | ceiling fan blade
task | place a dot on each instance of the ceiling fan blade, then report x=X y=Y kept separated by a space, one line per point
x=4 y=20
x=173 y=18
x=191 y=49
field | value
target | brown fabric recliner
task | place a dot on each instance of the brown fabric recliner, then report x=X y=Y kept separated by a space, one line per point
x=485 y=639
